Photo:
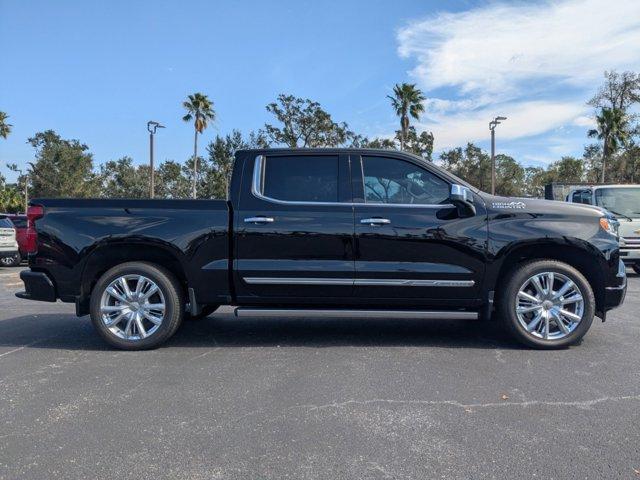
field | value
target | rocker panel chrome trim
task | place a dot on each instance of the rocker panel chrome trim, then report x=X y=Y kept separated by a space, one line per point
x=339 y=313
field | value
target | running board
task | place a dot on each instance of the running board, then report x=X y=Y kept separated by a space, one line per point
x=342 y=313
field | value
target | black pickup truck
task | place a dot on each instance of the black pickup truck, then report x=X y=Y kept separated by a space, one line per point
x=358 y=233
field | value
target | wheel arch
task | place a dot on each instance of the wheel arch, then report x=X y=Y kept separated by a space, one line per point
x=110 y=254
x=576 y=253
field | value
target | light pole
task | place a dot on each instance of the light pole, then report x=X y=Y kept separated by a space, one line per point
x=492 y=127
x=26 y=190
x=152 y=127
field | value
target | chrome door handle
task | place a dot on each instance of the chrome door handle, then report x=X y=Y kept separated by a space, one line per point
x=258 y=220
x=375 y=221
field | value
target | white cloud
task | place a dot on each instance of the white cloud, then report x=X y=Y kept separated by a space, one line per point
x=525 y=119
x=535 y=63
x=584 y=121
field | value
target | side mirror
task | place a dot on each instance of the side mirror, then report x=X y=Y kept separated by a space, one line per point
x=462 y=198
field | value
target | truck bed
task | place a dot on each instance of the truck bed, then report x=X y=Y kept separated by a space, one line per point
x=74 y=234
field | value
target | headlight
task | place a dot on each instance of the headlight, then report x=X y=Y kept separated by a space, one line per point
x=609 y=225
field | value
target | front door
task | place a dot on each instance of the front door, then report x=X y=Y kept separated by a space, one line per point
x=410 y=241
x=294 y=229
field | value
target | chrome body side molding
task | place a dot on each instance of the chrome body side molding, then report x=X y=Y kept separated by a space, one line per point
x=386 y=282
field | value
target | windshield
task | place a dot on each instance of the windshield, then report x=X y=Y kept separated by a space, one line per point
x=620 y=201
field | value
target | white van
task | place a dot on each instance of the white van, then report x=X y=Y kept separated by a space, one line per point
x=623 y=201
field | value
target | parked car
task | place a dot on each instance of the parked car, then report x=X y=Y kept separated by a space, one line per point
x=359 y=233
x=623 y=201
x=20 y=224
x=8 y=243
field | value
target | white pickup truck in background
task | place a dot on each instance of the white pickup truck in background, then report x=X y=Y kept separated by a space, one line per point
x=623 y=201
x=8 y=243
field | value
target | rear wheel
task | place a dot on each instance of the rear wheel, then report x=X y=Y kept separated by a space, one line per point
x=12 y=261
x=547 y=304
x=137 y=306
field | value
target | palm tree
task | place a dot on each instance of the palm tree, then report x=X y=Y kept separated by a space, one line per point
x=406 y=100
x=199 y=109
x=5 y=128
x=613 y=129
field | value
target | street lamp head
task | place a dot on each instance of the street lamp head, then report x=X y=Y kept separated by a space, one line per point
x=495 y=122
x=152 y=126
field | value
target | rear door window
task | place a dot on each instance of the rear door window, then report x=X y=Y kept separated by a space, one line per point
x=304 y=178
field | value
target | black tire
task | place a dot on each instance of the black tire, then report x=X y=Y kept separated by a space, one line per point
x=206 y=311
x=636 y=268
x=173 y=296
x=507 y=303
x=11 y=261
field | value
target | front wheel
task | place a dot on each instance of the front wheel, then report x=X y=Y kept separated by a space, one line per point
x=137 y=306
x=547 y=304
x=636 y=268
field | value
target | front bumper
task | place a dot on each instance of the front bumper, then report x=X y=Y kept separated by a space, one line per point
x=614 y=294
x=38 y=286
x=630 y=257
x=8 y=251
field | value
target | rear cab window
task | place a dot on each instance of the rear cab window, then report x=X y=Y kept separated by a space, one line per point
x=303 y=178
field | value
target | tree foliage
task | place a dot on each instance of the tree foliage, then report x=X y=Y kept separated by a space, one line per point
x=11 y=199
x=121 y=179
x=5 y=127
x=619 y=92
x=303 y=123
x=62 y=168
x=613 y=130
x=199 y=109
x=406 y=101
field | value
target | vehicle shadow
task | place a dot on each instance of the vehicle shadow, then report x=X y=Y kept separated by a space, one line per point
x=224 y=330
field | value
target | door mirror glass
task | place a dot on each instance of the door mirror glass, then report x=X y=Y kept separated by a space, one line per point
x=462 y=198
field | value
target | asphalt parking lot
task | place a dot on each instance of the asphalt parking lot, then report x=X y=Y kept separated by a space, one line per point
x=321 y=399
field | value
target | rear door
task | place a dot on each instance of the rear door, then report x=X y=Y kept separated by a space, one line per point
x=294 y=229
x=410 y=241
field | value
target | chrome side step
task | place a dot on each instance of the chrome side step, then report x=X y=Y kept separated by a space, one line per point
x=343 y=313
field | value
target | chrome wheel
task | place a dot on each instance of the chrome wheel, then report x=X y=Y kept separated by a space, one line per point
x=132 y=307
x=10 y=261
x=549 y=305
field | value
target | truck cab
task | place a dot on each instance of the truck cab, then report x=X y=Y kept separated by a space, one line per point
x=622 y=201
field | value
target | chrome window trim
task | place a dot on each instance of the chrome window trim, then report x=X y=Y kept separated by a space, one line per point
x=257 y=187
x=371 y=282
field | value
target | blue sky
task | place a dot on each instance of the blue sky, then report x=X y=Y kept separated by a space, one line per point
x=98 y=71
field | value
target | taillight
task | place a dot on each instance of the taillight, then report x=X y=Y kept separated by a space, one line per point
x=34 y=212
